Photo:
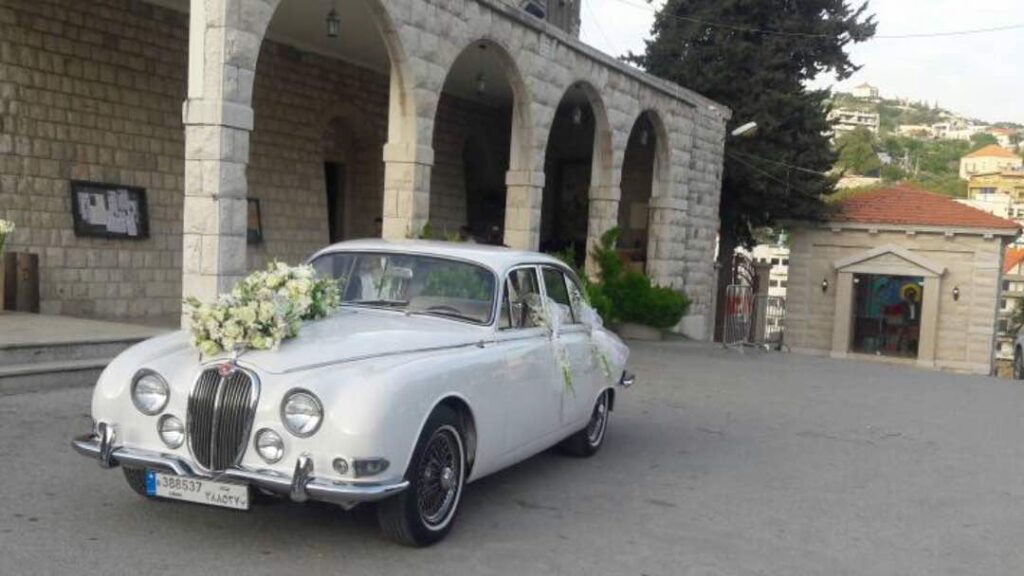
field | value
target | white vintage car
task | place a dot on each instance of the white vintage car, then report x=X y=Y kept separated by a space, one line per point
x=441 y=366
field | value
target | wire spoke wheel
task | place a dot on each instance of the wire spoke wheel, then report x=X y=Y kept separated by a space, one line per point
x=440 y=475
x=598 y=421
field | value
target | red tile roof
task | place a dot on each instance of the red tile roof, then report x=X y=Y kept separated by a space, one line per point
x=1014 y=257
x=906 y=205
x=992 y=151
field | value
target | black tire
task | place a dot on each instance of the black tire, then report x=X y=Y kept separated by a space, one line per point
x=136 y=478
x=438 y=470
x=589 y=440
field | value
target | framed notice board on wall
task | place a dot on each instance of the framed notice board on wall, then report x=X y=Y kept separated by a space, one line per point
x=109 y=210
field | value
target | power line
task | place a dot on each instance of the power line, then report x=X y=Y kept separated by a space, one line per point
x=768 y=175
x=597 y=25
x=777 y=163
x=766 y=31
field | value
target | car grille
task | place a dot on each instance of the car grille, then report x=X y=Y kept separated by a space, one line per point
x=220 y=413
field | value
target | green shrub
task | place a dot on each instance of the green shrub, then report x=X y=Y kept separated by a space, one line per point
x=627 y=296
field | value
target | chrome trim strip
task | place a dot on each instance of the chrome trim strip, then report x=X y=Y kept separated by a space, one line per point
x=376 y=355
x=319 y=489
x=301 y=477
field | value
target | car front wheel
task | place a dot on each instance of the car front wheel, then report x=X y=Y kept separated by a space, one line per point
x=424 y=513
x=588 y=441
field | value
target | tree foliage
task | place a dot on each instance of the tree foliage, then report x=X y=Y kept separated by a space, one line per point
x=857 y=153
x=982 y=139
x=717 y=48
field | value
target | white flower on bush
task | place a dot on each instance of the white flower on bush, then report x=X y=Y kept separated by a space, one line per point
x=264 y=309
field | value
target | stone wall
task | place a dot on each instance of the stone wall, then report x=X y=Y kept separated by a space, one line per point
x=93 y=91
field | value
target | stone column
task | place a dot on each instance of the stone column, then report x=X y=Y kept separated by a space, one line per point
x=224 y=44
x=524 y=190
x=406 y=189
x=666 y=241
x=928 y=331
x=603 y=215
x=842 y=323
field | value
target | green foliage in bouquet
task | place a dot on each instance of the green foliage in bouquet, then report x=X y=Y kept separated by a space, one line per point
x=264 y=309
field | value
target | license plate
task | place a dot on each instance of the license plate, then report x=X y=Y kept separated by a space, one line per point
x=199 y=490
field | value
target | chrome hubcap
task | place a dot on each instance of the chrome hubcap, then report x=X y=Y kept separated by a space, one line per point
x=440 y=476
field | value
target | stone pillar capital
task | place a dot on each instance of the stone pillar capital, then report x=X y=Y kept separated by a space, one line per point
x=213 y=112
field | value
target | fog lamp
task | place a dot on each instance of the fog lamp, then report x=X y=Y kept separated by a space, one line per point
x=369 y=466
x=172 y=430
x=269 y=445
x=340 y=466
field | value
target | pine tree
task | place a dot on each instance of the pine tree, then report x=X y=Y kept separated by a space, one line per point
x=754 y=56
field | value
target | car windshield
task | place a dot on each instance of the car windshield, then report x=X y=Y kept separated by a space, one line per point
x=414 y=283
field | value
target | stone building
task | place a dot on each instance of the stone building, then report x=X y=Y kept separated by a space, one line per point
x=475 y=113
x=899 y=274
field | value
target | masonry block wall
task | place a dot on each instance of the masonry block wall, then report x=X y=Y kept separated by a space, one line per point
x=93 y=91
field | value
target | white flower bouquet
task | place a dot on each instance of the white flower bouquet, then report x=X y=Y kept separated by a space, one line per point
x=264 y=309
x=6 y=229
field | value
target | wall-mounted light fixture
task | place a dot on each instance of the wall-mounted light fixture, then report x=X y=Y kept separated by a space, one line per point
x=577 y=115
x=856 y=279
x=956 y=293
x=643 y=137
x=333 y=23
x=481 y=83
x=824 y=284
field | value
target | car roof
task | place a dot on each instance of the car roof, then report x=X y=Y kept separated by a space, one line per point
x=498 y=258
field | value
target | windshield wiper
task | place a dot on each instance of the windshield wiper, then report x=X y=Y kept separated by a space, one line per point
x=446 y=314
x=388 y=303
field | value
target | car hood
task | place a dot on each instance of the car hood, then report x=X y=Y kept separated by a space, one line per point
x=348 y=335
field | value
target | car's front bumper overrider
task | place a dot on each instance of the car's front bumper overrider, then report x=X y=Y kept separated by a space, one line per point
x=301 y=486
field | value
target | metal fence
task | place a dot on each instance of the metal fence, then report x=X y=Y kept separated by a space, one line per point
x=753 y=319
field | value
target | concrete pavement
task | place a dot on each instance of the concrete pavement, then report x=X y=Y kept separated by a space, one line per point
x=716 y=463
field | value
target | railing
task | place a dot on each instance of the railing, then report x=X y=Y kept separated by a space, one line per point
x=753 y=319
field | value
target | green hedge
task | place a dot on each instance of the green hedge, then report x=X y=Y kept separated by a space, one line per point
x=620 y=295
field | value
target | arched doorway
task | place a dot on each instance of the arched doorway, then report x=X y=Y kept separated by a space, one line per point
x=323 y=108
x=641 y=176
x=575 y=161
x=472 y=142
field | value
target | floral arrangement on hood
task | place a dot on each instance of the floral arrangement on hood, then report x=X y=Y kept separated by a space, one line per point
x=264 y=309
x=6 y=229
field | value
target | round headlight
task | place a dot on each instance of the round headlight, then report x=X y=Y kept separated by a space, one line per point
x=172 y=430
x=149 y=392
x=301 y=413
x=269 y=445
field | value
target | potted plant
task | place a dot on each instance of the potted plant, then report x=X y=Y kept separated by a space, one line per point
x=627 y=300
x=6 y=228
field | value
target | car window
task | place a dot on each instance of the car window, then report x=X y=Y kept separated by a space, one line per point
x=520 y=285
x=558 y=291
x=414 y=283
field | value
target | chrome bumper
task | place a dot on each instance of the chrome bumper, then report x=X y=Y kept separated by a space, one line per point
x=627 y=379
x=300 y=487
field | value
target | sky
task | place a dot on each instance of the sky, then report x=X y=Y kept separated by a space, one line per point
x=979 y=76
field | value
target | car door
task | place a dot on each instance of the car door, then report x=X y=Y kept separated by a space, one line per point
x=533 y=393
x=574 y=338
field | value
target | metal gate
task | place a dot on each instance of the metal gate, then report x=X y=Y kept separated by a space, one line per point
x=739 y=309
x=753 y=319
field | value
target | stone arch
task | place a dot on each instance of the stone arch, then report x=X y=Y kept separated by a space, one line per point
x=353 y=171
x=484 y=99
x=576 y=195
x=643 y=183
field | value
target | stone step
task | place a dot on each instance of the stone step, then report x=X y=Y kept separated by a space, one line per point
x=34 y=353
x=40 y=376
